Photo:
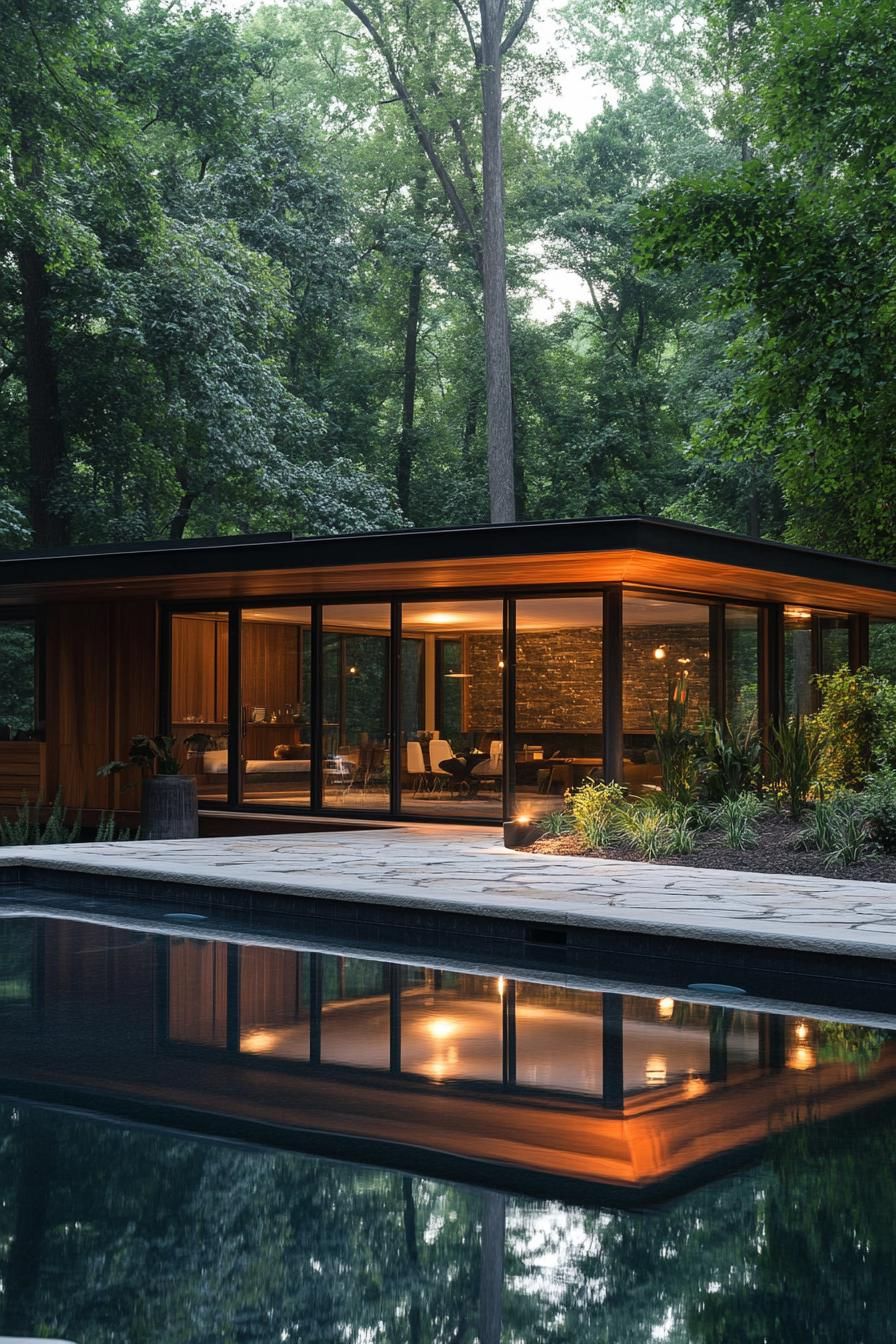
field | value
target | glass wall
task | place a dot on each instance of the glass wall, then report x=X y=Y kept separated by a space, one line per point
x=814 y=642
x=559 y=698
x=19 y=711
x=665 y=671
x=275 y=999
x=741 y=667
x=452 y=678
x=882 y=647
x=356 y=727
x=355 y=1015
x=451 y=1025
x=199 y=691
x=275 y=727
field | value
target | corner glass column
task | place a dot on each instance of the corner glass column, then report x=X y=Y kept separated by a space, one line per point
x=558 y=740
x=665 y=660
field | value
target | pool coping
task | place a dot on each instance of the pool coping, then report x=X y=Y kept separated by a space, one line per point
x=467 y=878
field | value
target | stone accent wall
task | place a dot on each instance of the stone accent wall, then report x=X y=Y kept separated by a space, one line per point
x=645 y=679
x=559 y=678
x=558 y=681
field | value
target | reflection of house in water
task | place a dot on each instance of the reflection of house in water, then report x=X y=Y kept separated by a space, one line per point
x=513 y=1082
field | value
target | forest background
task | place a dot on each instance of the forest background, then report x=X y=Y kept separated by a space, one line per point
x=327 y=266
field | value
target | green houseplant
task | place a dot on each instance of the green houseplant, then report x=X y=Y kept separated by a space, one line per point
x=169 y=808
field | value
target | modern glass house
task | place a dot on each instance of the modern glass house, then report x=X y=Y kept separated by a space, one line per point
x=459 y=675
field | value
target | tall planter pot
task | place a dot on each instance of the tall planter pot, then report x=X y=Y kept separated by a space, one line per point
x=168 y=808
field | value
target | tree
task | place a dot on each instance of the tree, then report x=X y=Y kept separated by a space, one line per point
x=404 y=43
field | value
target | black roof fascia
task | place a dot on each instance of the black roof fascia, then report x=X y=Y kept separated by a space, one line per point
x=280 y=551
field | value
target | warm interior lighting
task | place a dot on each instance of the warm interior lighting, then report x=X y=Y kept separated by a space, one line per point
x=441 y=1028
x=353 y=671
x=439 y=618
x=257 y=1042
x=801 y=1031
x=655 y=1070
x=666 y=1007
x=523 y=819
x=696 y=1086
x=659 y=653
x=502 y=985
x=801 y=1057
x=797 y=614
x=684 y=661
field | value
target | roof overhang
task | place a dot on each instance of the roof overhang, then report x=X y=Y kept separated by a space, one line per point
x=641 y=551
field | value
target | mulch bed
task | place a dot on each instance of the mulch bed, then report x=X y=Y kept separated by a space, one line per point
x=776 y=852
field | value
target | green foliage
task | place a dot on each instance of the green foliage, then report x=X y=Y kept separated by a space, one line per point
x=849 y=1043
x=737 y=816
x=850 y=843
x=729 y=760
x=647 y=830
x=595 y=808
x=676 y=745
x=794 y=757
x=30 y=827
x=557 y=823
x=878 y=805
x=803 y=217
x=158 y=755
x=846 y=724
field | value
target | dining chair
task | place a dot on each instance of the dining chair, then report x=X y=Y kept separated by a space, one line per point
x=439 y=751
x=416 y=766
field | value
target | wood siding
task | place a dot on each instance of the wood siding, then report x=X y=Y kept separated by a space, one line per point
x=23 y=772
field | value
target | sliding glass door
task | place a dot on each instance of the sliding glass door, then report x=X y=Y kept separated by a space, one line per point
x=355 y=695
x=275 y=717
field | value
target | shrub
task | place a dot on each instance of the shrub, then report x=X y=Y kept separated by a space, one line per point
x=595 y=807
x=682 y=834
x=728 y=759
x=647 y=830
x=820 y=831
x=737 y=817
x=846 y=725
x=793 y=756
x=850 y=839
x=26 y=827
x=878 y=805
x=557 y=823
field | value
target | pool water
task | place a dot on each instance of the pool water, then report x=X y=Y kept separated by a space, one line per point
x=224 y=1139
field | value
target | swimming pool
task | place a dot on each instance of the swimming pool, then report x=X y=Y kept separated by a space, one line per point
x=210 y=1132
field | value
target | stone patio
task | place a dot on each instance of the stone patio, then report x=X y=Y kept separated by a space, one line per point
x=467 y=869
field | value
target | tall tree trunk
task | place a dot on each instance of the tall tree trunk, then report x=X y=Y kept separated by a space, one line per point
x=491 y=1268
x=46 y=435
x=179 y=522
x=407 y=438
x=23 y=1265
x=499 y=401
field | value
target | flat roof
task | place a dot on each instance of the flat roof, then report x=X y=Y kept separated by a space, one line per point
x=440 y=557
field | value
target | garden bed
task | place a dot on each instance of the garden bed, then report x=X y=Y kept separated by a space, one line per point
x=775 y=852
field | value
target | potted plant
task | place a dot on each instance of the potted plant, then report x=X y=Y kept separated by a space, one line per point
x=168 y=804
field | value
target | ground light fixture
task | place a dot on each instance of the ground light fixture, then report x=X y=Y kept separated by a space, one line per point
x=521 y=830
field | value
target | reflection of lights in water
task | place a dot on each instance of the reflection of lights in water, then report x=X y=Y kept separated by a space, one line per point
x=665 y=1008
x=801 y=1031
x=441 y=1028
x=801 y=1057
x=256 y=1042
x=695 y=1086
x=655 y=1070
x=502 y=985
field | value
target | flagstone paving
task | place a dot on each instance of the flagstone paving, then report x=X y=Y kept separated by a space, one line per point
x=468 y=869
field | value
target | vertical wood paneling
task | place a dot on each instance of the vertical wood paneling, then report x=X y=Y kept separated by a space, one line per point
x=82 y=662
x=136 y=709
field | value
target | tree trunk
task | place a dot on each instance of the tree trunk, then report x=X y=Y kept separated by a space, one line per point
x=179 y=522
x=491 y=1268
x=499 y=407
x=23 y=1265
x=46 y=436
x=406 y=442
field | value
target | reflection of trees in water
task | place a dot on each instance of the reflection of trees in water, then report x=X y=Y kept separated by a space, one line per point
x=110 y=1233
